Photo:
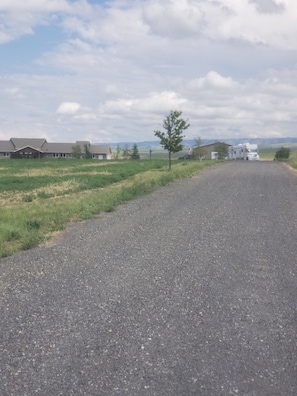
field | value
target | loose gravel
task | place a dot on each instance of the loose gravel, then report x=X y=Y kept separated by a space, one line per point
x=190 y=290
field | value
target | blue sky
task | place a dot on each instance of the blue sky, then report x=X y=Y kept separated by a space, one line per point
x=23 y=51
x=110 y=71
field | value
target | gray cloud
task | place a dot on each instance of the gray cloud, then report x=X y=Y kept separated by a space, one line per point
x=269 y=6
x=118 y=70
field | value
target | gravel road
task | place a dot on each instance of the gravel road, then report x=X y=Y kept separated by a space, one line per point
x=191 y=290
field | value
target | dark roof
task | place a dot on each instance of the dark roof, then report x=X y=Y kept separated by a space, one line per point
x=6 y=146
x=100 y=149
x=68 y=147
x=24 y=142
x=214 y=143
x=58 y=148
x=16 y=144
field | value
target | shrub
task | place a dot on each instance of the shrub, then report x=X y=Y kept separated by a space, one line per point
x=44 y=195
x=33 y=224
x=282 y=153
x=31 y=240
x=12 y=234
x=28 y=198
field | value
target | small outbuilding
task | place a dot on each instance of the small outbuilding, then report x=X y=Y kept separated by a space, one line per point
x=210 y=151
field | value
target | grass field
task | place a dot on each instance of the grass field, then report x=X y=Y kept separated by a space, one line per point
x=269 y=153
x=40 y=197
x=293 y=160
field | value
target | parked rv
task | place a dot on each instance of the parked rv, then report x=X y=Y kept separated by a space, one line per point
x=245 y=151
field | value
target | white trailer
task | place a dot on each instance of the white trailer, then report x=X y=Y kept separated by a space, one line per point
x=245 y=151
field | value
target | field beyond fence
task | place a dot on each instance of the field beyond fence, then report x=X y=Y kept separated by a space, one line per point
x=40 y=197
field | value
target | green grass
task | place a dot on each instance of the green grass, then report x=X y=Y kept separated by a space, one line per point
x=269 y=153
x=292 y=161
x=40 y=197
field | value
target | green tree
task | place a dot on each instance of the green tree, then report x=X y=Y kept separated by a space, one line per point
x=282 y=153
x=126 y=151
x=135 y=152
x=117 y=152
x=76 y=152
x=222 y=150
x=198 y=151
x=173 y=136
x=87 y=153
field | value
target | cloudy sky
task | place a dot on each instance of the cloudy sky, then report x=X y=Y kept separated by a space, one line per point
x=110 y=71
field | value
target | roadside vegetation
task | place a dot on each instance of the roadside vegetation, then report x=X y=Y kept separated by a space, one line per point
x=293 y=159
x=40 y=197
x=269 y=154
x=172 y=136
x=283 y=153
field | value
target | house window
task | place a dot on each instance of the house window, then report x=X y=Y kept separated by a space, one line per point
x=6 y=154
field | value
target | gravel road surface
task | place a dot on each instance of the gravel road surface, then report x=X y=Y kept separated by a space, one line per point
x=191 y=290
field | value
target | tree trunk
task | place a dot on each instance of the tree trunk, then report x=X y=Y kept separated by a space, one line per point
x=169 y=157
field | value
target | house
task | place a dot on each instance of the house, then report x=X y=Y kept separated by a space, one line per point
x=209 y=151
x=40 y=148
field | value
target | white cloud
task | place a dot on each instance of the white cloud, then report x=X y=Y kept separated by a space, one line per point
x=229 y=65
x=68 y=108
x=213 y=80
x=258 y=22
x=161 y=102
x=173 y=18
x=20 y=18
x=14 y=92
x=86 y=116
x=269 y=6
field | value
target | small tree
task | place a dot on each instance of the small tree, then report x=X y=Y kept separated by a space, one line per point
x=198 y=151
x=117 y=152
x=173 y=136
x=87 y=153
x=126 y=151
x=222 y=150
x=76 y=152
x=135 y=152
x=282 y=153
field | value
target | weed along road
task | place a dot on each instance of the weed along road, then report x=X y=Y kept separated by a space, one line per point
x=191 y=290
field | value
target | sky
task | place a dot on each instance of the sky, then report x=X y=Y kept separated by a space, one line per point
x=111 y=71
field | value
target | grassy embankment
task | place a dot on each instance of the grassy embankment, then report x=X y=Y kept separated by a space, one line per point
x=292 y=161
x=38 y=198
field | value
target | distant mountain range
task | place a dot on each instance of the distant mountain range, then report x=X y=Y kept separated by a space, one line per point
x=187 y=143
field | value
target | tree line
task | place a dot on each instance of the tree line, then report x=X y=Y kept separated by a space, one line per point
x=126 y=153
x=170 y=139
